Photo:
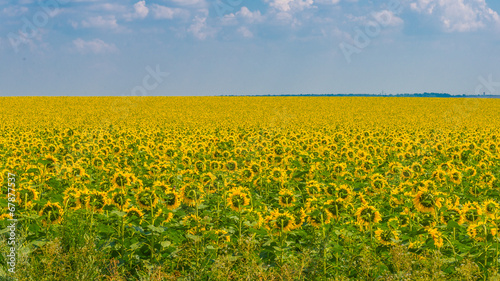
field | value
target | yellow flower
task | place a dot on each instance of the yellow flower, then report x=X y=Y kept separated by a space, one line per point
x=52 y=213
x=98 y=200
x=146 y=198
x=426 y=201
x=286 y=197
x=283 y=222
x=367 y=216
x=118 y=197
x=491 y=208
x=134 y=213
x=436 y=236
x=471 y=213
x=386 y=237
x=237 y=199
x=191 y=194
x=333 y=208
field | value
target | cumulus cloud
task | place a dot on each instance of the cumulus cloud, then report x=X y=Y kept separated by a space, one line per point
x=290 y=5
x=244 y=14
x=387 y=18
x=200 y=29
x=458 y=15
x=96 y=46
x=162 y=12
x=140 y=11
x=106 y=22
x=245 y=32
x=14 y=11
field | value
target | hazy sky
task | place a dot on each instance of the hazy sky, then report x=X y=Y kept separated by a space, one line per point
x=220 y=47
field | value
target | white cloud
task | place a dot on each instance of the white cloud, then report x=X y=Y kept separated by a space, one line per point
x=107 y=22
x=290 y=5
x=387 y=18
x=458 y=15
x=245 y=32
x=14 y=11
x=200 y=29
x=244 y=14
x=140 y=11
x=200 y=3
x=249 y=16
x=162 y=12
x=327 y=2
x=96 y=46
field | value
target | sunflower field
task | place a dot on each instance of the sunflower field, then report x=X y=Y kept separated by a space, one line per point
x=250 y=188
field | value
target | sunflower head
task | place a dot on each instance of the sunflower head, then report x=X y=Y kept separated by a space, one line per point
x=146 y=198
x=426 y=201
x=52 y=213
x=134 y=213
x=172 y=199
x=491 y=208
x=282 y=222
x=386 y=237
x=237 y=199
x=118 y=197
x=191 y=194
x=286 y=197
x=367 y=216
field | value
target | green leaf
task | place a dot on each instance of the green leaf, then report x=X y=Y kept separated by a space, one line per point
x=156 y=228
x=193 y=237
x=165 y=244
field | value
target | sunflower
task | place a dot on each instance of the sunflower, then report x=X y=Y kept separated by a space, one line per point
x=339 y=168
x=436 y=237
x=333 y=208
x=313 y=188
x=121 y=179
x=98 y=200
x=470 y=172
x=50 y=163
x=134 y=213
x=193 y=223
x=426 y=201
x=191 y=194
x=253 y=218
x=417 y=168
x=286 y=197
x=52 y=213
x=455 y=176
x=367 y=216
x=200 y=166
x=406 y=173
x=282 y=222
x=146 y=198
x=237 y=199
x=98 y=163
x=491 y=208
x=439 y=175
x=471 y=213
x=231 y=165
x=70 y=199
x=118 y=197
x=386 y=237
x=172 y=199
x=246 y=174
x=278 y=174
x=26 y=196
x=479 y=231
x=299 y=217
x=83 y=199
x=451 y=214
x=488 y=178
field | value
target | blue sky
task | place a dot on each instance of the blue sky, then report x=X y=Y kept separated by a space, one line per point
x=243 y=47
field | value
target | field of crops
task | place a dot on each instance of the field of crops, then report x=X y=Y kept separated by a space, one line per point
x=250 y=188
